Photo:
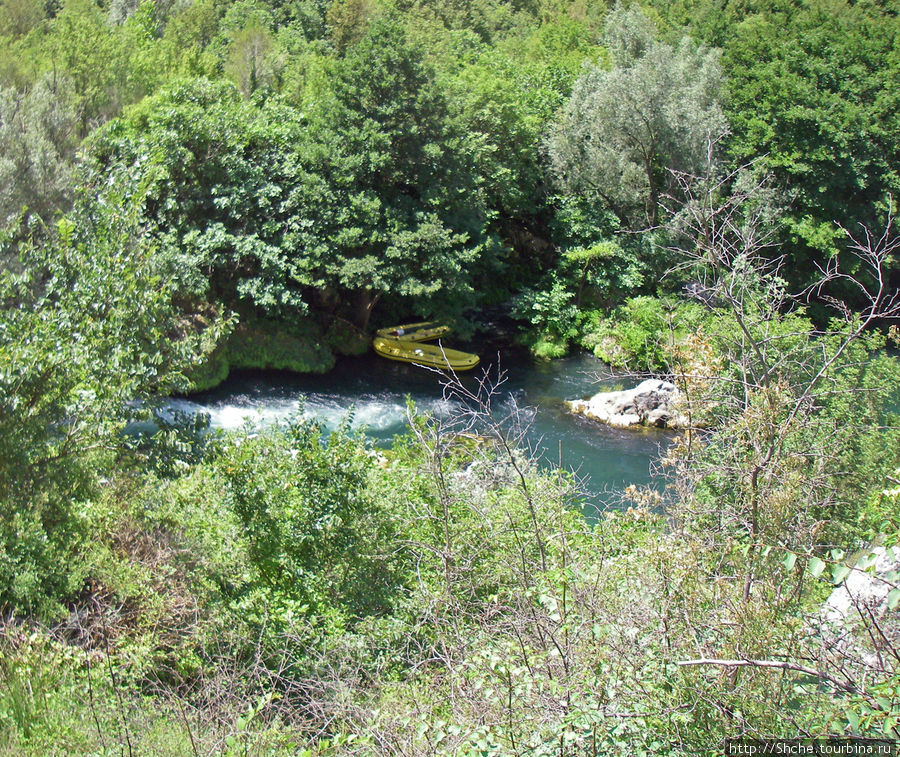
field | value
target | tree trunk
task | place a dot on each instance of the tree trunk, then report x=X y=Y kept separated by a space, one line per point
x=365 y=304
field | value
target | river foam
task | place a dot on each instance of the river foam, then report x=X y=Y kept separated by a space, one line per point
x=377 y=414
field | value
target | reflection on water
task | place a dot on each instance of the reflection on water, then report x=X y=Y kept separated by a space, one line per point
x=606 y=459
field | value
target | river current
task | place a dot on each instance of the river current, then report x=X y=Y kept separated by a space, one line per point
x=373 y=392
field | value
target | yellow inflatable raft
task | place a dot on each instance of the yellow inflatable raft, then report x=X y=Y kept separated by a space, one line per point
x=431 y=355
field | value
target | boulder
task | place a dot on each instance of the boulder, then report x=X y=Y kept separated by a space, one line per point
x=856 y=621
x=650 y=403
x=865 y=591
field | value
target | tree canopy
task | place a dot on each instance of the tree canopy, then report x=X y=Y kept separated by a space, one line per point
x=656 y=109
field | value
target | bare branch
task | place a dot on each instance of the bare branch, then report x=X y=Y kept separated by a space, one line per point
x=774 y=664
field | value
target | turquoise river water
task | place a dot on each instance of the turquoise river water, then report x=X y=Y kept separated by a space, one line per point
x=605 y=459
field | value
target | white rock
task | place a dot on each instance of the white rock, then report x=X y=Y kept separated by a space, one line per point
x=846 y=621
x=864 y=590
x=650 y=403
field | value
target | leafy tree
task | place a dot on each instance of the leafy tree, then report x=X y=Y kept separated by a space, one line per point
x=505 y=99
x=307 y=15
x=274 y=205
x=625 y=127
x=418 y=214
x=812 y=95
x=217 y=171
x=86 y=328
x=246 y=33
x=603 y=272
x=95 y=59
x=18 y=17
x=248 y=62
x=347 y=20
x=490 y=20
x=37 y=146
x=158 y=10
x=187 y=37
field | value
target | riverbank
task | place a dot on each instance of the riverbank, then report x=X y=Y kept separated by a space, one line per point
x=304 y=345
x=313 y=345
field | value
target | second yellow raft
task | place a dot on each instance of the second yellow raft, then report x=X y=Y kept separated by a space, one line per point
x=415 y=332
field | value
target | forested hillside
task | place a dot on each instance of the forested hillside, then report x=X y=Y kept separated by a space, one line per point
x=700 y=191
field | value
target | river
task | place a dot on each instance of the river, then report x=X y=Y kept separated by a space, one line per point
x=605 y=459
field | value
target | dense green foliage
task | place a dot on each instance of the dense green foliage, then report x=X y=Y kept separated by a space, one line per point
x=305 y=189
x=88 y=325
x=191 y=186
x=811 y=95
x=628 y=126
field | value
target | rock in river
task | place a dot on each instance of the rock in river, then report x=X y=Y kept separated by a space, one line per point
x=650 y=403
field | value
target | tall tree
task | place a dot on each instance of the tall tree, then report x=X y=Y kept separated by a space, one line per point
x=86 y=49
x=418 y=213
x=247 y=32
x=813 y=95
x=217 y=170
x=625 y=127
x=37 y=147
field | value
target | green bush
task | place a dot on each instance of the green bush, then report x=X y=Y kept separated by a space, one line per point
x=642 y=333
x=584 y=277
x=263 y=344
x=318 y=541
x=552 y=316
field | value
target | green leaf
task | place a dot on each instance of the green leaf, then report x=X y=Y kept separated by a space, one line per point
x=884 y=703
x=866 y=560
x=816 y=566
x=839 y=572
x=789 y=560
x=893 y=599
